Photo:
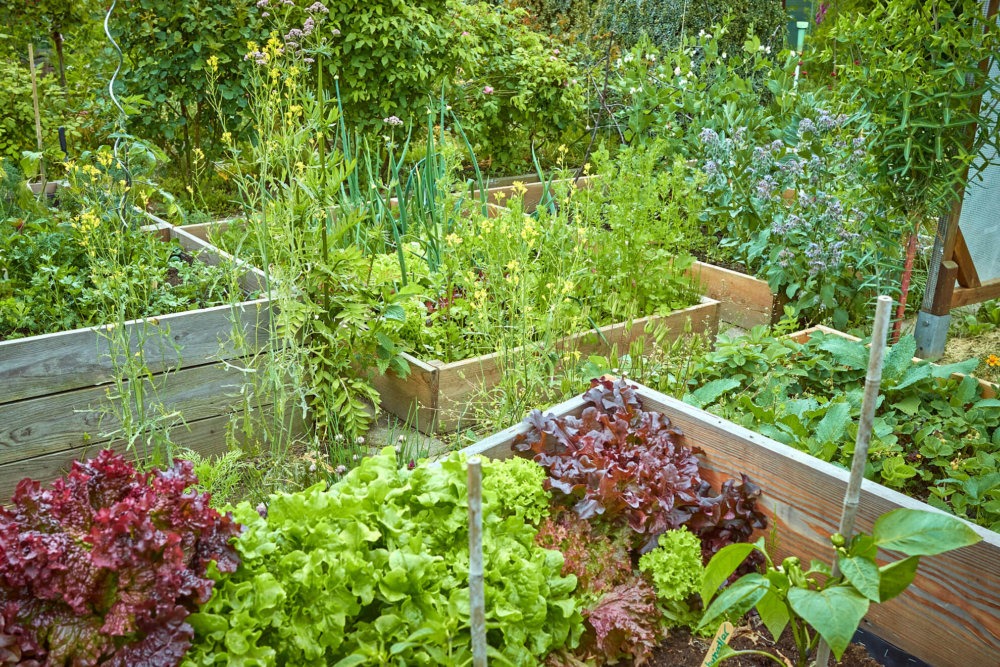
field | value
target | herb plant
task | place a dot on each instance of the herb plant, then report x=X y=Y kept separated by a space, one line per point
x=787 y=595
x=375 y=571
x=105 y=566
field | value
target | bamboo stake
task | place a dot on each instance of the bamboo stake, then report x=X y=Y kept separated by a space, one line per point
x=38 y=113
x=853 y=496
x=477 y=596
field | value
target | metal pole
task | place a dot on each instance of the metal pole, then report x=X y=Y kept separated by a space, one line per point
x=477 y=595
x=853 y=496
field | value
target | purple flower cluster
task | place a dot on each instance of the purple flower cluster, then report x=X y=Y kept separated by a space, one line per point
x=317 y=8
x=711 y=167
x=392 y=120
x=807 y=126
x=766 y=186
x=708 y=136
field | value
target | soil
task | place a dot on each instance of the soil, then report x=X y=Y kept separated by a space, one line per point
x=703 y=256
x=683 y=650
x=980 y=347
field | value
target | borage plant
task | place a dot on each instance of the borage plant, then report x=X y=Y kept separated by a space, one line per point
x=787 y=595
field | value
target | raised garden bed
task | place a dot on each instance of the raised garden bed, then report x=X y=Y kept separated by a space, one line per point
x=435 y=397
x=53 y=387
x=946 y=618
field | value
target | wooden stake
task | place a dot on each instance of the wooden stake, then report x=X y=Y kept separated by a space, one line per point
x=477 y=595
x=868 y=402
x=38 y=113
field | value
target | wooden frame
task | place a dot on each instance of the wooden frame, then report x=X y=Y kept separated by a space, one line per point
x=948 y=617
x=436 y=397
x=745 y=301
x=54 y=387
x=986 y=389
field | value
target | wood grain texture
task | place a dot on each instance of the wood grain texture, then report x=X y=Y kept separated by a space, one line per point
x=950 y=616
x=986 y=389
x=746 y=301
x=444 y=393
x=51 y=363
x=206 y=436
x=46 y=424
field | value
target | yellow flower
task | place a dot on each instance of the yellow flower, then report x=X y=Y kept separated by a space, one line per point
x=993 y=361
x=519 y=188
x=453 y=239
x=227 y=138
x=213 y=63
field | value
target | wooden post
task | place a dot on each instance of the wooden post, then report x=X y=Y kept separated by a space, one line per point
x=477 y=595
x=38 y=113
x=868 y=403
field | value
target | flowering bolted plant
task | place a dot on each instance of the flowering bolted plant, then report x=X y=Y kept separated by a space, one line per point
x=800 y=211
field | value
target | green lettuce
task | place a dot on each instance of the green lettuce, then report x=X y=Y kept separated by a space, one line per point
x=375 y=571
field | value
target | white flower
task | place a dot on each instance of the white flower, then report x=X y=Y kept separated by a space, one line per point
x=401 y=438
x=767 y=49
x=723 y=55
x=791 y=53
x=677 y=71
x=633 y=91
x=360 y=440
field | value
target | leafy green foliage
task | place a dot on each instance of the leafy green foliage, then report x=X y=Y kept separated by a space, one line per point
x=935 y=437
x=675 y=566
x=517 y=484
x=17 y=125
x=375 y=570
x=82 y=265
x=788 y=595
x=515 y=90
x=167 y=45
x=666 y=22
x=914 y=66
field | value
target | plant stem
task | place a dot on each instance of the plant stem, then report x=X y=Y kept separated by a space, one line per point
x=752 y=652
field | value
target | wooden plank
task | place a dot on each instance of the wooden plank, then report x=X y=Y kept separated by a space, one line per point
x=986 y=389
x=251 y=279
x=460 y=381
x=533 y=191
x=967 y=274
x=413 y=398
x=944 y=288
x=964 y=296
x=208 y=437
x=746 y=301
x=67 y=360
x=947 y=618
x=56 y=422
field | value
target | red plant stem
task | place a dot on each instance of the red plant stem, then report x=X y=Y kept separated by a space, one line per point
x=904 y=288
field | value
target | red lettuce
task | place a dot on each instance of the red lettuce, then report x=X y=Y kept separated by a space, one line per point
x=619 y=463
x=626 y=622
x=104 y=566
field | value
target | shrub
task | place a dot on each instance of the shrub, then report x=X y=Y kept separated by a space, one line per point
x=105 y=565
x=516 y=88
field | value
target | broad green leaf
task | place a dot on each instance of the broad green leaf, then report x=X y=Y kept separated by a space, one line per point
x=899 y=359
x=711 y=391
x=863 y=574
x=915 y=373
x=921 y=533
x=834 y=424
x=774 y=613
x=742 y=594
x=895 y=577
x=722 y=565
x=395 y=312
x=834 y=613
x=908 y=405
x=852 y=354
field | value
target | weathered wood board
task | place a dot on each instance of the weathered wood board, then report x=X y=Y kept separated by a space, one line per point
x=745 y=301
x=986 y=389
x=949 y=617
x=436 y=397
x=54 y=387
